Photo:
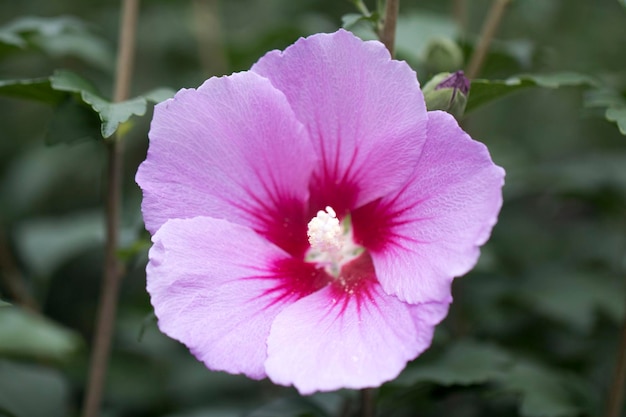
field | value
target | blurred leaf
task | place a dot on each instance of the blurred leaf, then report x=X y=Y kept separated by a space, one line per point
x=360 y=25
x=545 y=393
x=4 y=304
x=617 y=115
x=32 y=391
x=604 y=97
x=14 y=33
x=350 y=20
x=138 y=247
x=45 y=243
x=586 y=173
x=416 y=30
x=34 y=177
x=70 y=82
x=47 y=90
x=290 y=407
x=33 y=89
x=111 y=114
x=485 y=91
x=25 y=334
x=464 y=363
x=612 y=102
x=209 y=412
x=58 y=36
x=71 y=123
x=574 y=296
x=159 y=94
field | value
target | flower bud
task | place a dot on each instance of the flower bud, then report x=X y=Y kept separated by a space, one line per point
x=442 y=54
x=448 y=92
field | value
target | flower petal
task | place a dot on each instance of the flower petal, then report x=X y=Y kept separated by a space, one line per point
x=231 y=149
x=323 y=342
x=211 y=286
x=430 y=232
x=364 y=113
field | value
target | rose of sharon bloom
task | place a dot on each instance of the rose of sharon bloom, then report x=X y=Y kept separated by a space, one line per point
x=309 y=215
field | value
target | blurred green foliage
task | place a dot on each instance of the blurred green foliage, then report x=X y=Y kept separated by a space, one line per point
x=534 y=328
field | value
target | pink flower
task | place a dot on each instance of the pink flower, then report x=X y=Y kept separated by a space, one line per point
x=309 y=215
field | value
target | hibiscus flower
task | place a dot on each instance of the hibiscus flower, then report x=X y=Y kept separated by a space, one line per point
x=309 y=215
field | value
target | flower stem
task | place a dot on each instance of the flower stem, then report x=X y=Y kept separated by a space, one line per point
x=208 y=32
x=368 y=406
x=616 y=394
x=388 y=31
x=489 y=30
x=361 y=7
x=460 y=14
x=112 y=266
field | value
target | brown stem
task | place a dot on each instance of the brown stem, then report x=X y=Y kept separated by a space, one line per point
x=368 y=407
x=615 y=401
x=388 y=31
x=12 y=277
x=208 y=31
x=460 y=14
x=489 y=30
x=112 y=266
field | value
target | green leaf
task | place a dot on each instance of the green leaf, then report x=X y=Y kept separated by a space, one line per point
x=50 y=90
x=486 y=91
x=114 y=114
x=417 y=30
x=159 y=94
x=72 y=122
x=545 y=393
x=4 y=304
x=37 y=89
x=290 y=407
x=45 y=243
x=617 y=115
x=587 y=293
x=55 y=90
x=32 y=391
x=25 y=334
x=209 y=411
x=362 y=26
x=612 y=103
x=58 y=36
x=70 y=82
x=350 y=19
x=464 y=363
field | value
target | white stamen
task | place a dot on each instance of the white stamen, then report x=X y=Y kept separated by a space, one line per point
x=331 y=242
x=325 y=232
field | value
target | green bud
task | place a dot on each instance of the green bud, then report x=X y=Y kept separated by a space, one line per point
x=447 y=92
x=443 y=54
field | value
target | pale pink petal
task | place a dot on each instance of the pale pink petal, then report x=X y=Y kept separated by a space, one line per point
x=327 y=341
x=211 y=283
x=430 y=232
x=364 y=112
x=231 y=149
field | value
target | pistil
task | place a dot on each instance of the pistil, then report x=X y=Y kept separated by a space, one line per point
x=331 y=241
